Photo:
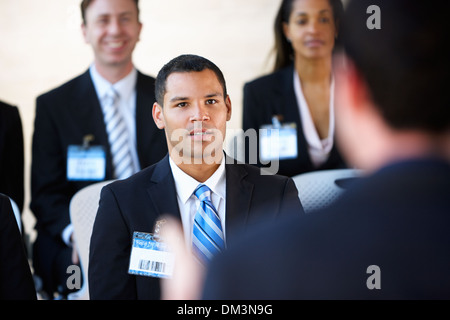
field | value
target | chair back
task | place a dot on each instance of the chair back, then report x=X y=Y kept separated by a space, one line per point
x=83 y=209
x=319 y=189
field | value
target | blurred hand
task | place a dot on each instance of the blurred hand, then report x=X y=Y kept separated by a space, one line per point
x=188 y=275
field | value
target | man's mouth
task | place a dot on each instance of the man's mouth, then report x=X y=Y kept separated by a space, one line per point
x=201 y=135
x=115 y=44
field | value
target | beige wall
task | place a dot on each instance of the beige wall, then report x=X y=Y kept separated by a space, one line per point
x=42 y=47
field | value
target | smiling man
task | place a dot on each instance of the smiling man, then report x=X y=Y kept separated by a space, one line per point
x=112 y=28
x=104 y=115
x=214 y=197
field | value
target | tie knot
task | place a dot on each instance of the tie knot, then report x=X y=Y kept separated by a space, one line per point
x=111 y=96
x=203 y=192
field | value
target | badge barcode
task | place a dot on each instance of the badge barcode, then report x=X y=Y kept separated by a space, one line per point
x=155 y=266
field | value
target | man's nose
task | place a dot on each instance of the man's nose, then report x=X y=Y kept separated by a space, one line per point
x=200 y=113
x=114 y=26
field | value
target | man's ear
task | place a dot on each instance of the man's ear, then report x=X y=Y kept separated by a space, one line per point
x=352 y=89
x=228 y=104
x=158 y=115
x=84 y=32
x=140 y=30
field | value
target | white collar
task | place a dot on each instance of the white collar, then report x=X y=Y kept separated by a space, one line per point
x=125 y=86
x=311 y=135
x=186 y=185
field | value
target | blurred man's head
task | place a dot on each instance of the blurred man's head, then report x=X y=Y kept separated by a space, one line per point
x=86 y=3
x=112 y=28
x=395 y=79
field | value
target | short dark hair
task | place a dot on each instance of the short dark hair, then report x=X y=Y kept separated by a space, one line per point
x=86 y=3
x=284 y=53
x=405 y=63
x=185 y=63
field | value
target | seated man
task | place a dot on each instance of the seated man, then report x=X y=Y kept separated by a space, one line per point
x=193 y=108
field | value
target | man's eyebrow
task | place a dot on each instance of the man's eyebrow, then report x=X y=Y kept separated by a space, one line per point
x=102 y=15
x=178 y=99
x=212 y=95
x=126 y=14
x=181 y=98
x=121 y=14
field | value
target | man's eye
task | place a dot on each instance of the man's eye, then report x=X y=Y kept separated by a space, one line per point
x=125 y=19
x=102 y=21
x=182 y=104
x=211 y=101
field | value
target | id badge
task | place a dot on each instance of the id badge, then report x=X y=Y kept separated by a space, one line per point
x=278 y=142
x=86 y=163
x=150 y=256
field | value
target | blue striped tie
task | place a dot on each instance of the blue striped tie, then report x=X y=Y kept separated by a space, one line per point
x=208 y=238
x=118 y=136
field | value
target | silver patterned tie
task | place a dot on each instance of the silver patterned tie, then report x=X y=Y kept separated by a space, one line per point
x=118 y=136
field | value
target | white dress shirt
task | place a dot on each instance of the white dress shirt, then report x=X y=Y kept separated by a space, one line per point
x=188 y=203
x=126 y=88
x=318 y=149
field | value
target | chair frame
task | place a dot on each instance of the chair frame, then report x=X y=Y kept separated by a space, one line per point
x=83 y=210
x=319 y=189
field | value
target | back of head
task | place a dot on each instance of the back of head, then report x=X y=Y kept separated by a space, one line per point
x=405 y=62
x=185 y=63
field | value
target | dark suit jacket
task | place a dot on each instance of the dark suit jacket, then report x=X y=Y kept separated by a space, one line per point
x=16 y=282
x=274 y=94
x=11 y=154
x=63 y=117
x=136 y=203
x=397 y=219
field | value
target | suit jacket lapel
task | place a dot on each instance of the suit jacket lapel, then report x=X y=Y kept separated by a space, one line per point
x=292 y=114
x=162 y=190
x=162 y=193
x=238 y=197
x=87 y=113
x=144 y=120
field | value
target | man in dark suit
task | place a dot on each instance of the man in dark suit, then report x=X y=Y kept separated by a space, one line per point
x=386 y=237
x=193 y=108
x=16 y=281
x=74 y=117
x=11 y=154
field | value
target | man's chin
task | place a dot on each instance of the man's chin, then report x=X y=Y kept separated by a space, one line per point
x=116 y=61
x=195 y=158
